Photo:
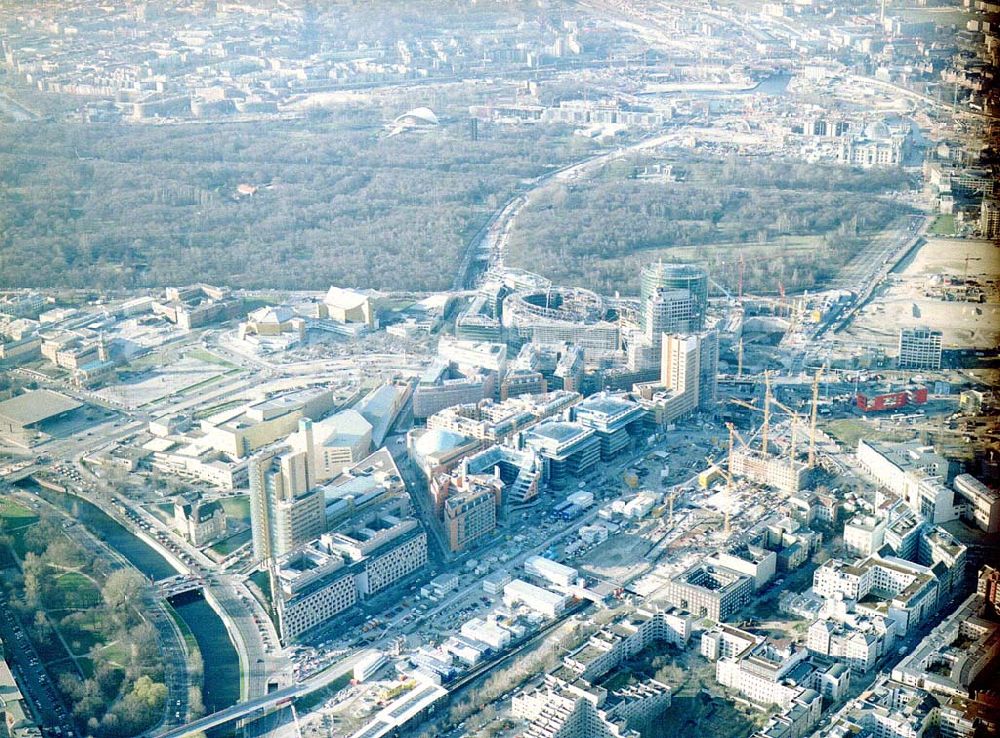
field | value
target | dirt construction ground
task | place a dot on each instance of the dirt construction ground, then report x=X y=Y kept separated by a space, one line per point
x=904 y=301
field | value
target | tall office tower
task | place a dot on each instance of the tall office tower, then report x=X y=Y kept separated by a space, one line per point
x=919 y=348
x=286 y=509
x=673 y=300
x=689 y=368
x=708 y=370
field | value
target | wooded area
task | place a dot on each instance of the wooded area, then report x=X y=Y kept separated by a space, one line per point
x=113 y=206
x=800 y=222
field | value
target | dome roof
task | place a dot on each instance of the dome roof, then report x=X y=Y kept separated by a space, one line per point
x=437 y=440
x=418 y=116
x=875 y=131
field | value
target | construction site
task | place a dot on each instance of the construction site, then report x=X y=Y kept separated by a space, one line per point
x=949 y=285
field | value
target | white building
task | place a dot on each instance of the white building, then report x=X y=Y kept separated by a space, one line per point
x=551 y=571
x=543 y=601
x=919 y=348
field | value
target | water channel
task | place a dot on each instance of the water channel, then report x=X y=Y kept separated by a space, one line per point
x=222 y=667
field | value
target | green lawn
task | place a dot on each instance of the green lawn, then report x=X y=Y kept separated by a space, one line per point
x=14 y=515
x=78 y=590
x=81 y=638
x=208 y=357
x=228 y=545
x=237 y=508
x=321 y=695
x=943 y=225
x=849 y=430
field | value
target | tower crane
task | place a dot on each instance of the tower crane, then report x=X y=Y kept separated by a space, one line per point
x=728 y=493
x=812 y=418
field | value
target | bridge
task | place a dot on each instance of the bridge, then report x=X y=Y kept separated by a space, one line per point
x=259 y=706
x=177 y=586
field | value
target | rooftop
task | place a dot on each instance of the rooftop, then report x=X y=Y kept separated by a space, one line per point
x=36 y=406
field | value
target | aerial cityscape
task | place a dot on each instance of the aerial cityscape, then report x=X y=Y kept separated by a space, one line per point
x=499 y=369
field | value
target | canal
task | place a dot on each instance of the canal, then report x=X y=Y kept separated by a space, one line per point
x=222 y=664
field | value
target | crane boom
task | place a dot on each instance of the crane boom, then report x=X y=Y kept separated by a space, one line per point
x=812 y=418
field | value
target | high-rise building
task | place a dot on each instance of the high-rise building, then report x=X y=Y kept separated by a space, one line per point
x=286 y=508
x=690 y=367
x=989 y=219
x=919 y=348
x=673 y=299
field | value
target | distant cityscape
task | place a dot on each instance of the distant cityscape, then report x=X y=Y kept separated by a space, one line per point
x=520 y=507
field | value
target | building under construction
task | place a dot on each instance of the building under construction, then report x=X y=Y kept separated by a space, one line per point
x=780 y=472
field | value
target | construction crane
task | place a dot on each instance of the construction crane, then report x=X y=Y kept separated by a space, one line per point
x=812 y=418
x=739 y=359
x=728 y=492
x=767 y=409
x=795 y=420
x=671 y=496
x=965 y=274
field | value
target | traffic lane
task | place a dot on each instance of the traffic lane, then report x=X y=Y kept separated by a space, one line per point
x=33 y=680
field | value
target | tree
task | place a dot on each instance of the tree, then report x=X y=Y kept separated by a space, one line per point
x=123 y=588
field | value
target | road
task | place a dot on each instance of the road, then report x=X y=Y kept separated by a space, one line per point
x=260 y=705
x=43 y=702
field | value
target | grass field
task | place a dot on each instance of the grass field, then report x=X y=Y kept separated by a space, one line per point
x=208 y=357
x=78 y=590
x=943 y=225
x=848 y=430
x=228 y=545
x=237 y=508
x=14 y=515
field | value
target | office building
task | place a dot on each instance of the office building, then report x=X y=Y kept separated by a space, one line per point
x=749 y=559
x=688 y=378
x=521 y=471
x=615 y=420
x=442 y=385
x=706 y=590
x=569 y=450
x=371 y=482
x=286 y=508
x=543 y=601
x=913 y=473
x=470 y=506
x=328 y=575
x=686 y=278
x=551 y=571
x=919 y=348
x=981 y=503
x=902 y=591
x=989 y=219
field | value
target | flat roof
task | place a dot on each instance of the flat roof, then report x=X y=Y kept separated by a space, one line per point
x=36 y=406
